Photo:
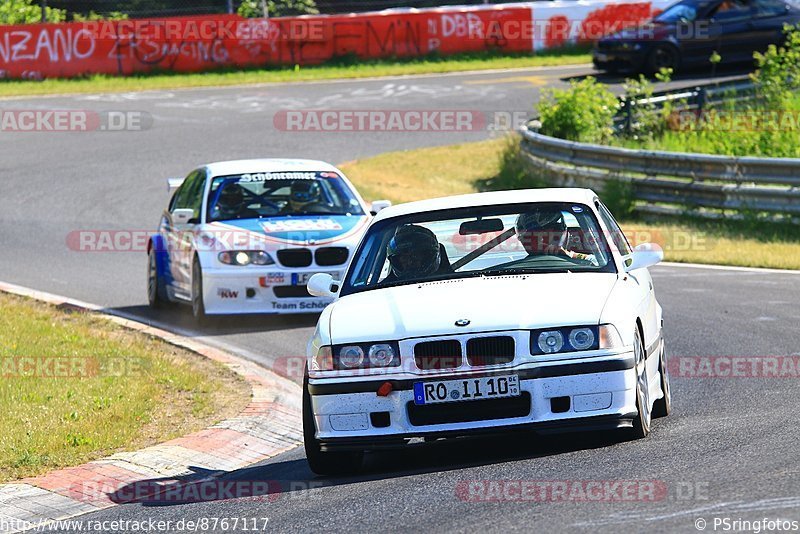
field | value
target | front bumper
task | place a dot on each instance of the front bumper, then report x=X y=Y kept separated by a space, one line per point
x=618 y=59
x=601 y=394
x=268 y=290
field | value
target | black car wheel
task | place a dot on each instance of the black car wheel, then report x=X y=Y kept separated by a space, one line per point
x=324 y=462
x=156 y=289
x=641 y=423
x=663 y=406
x=198 y=306
x=663 y=56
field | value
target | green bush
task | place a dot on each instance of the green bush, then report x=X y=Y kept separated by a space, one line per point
x=778 y=73
x=513 y=173
x=277 y=8
x=28 y=12
x=92 y=16
x=619 y=197
x=584 y=112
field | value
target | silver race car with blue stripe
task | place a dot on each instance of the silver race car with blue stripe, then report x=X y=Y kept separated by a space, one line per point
x=245 y=236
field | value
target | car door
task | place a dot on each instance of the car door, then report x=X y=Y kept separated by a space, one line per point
x=639 y=281
x=768 y=18
x=737 y=38
x=180 y=229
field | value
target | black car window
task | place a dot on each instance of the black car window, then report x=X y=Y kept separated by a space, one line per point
x=190 y=195
x=617 y=234
x=769 y=8
x=732 y=10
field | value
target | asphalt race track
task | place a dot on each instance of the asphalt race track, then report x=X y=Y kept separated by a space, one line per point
x=728 y=450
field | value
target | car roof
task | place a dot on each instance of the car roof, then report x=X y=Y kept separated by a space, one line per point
x=244 y=166
x=519 y=196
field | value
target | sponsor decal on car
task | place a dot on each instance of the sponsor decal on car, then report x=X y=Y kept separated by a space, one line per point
x=224 y=293
x=300 y=225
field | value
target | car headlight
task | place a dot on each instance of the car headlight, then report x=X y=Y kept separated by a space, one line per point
x=366 y=356
x=245 y=257
x=573 y=339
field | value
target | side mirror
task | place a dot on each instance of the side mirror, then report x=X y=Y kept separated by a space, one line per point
x=643 y=256
x=173 y=184
x=379 y=205
x=183 y=216
x=323 y=285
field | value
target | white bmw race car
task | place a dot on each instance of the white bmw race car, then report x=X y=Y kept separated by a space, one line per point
x=245 y=236
x=485 y=313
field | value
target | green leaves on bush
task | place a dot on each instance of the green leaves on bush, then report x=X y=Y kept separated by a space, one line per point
x=277 y=8
x=778 y=74
x=584 y=112
x=28 y=12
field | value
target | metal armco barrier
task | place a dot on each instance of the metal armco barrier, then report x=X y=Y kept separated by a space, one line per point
x=682 y=180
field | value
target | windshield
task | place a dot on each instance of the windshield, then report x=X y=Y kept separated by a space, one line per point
x=682 y=12
x=270 y=194
x=479 y=241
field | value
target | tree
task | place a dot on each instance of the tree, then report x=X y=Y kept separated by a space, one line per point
x=277 y=8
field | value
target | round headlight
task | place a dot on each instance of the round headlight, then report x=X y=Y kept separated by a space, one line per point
x=551 y=341
x=351 y=356
x=581 y=338
x=381 y=355
x=259 y=257
x=242 y=258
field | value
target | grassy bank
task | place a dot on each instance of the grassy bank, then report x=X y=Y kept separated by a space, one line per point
x=75 y=387
x=441 y=171
x=341 y=69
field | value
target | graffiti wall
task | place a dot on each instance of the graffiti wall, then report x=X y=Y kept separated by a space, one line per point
x=205 y=42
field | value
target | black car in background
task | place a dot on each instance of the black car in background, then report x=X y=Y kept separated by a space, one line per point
x=689 y=32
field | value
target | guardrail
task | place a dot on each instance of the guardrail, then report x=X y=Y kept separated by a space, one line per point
x=670 y=182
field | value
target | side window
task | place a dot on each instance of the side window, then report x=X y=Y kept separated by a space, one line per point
x=769 y=8
x=619 y=239
x=182 y=195
x=190 y=195
x=732 y=11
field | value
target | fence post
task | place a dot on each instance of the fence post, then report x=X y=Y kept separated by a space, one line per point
x=701 y=100
x=230 y=7
x=628 y=115
x=44 y=11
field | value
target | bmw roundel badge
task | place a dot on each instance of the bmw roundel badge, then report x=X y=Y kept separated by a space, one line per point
x=462 y=322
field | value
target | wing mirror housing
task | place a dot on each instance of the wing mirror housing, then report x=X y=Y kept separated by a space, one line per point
x=643 y=256
x=323 y=285
x=183 y=216
x=173 y=184
x=378 y=205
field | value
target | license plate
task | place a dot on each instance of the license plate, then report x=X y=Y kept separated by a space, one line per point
x=491 y=387
x=301 y=279
x=601 y=57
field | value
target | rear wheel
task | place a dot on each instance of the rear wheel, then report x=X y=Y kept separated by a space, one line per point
x=663 y=406
x=324 y=462
x=198 y=306
x=663 y=56
x=641 y=423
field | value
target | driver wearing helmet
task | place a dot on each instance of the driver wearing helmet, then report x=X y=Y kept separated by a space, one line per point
x=305 y=196
x=544 y=232
x=231 y=204
x=413 y=253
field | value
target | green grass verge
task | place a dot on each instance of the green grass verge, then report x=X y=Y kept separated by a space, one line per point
x=75 y=387
x=344 y=68
x=440 y=171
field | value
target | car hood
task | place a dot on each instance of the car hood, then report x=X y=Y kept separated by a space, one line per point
x=517 y=302
x=297 y=229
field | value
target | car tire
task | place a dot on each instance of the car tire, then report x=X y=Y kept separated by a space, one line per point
x=641 y=423
x=324 y=462
x=198 y=306
x=156 y=287
x=663 y=406
x=662 y=56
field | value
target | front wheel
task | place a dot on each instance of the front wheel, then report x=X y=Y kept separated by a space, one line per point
x=198 y=306
x=324 y=463
x=641 y=423
x=663 y=57
x=663 y=406
x=156 y=289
